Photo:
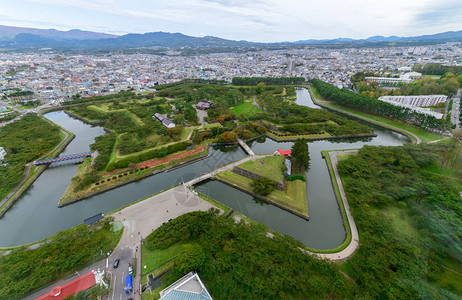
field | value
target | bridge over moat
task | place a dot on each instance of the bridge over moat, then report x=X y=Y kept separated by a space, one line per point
x=61 y=158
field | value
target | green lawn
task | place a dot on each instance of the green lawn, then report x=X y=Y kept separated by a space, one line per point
x=269 y=167
x=155 y=259
x=246 y=107
x=105 y=109
x=294 y=199
x=295 y=137
x=446 y=171
x=401 y=220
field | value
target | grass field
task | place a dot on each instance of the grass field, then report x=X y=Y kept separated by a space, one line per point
x=155 y=259
x=295 y=137
x=269 y=167
x=83 y=169
x=105 y=109
x=294 y=198
x=435 y=168
x=246 y=107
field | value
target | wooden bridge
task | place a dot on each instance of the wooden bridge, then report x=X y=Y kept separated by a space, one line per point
x=61 y=158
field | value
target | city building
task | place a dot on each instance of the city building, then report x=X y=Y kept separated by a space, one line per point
x=188 y=287
x=406 y=78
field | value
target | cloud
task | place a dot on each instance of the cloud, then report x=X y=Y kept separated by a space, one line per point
x=439 y=13
x=258 y=20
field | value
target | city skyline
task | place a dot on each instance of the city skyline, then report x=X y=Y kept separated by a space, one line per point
x=270 y=21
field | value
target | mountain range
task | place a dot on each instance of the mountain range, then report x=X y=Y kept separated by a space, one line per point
x=33 y=38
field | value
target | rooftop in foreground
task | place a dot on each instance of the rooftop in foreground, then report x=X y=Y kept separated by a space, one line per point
x=188 y=287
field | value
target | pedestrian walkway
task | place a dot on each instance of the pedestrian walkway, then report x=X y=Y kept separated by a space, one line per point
x=246 y=147
x=222 y=169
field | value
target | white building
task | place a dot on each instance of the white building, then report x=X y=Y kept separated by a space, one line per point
x=2 y=154
x=421 y=110
x=164 y=120
x=420 y=100
x=406 y=78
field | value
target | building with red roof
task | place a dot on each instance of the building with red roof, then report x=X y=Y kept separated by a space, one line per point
x=73 y=287
x=284 y=152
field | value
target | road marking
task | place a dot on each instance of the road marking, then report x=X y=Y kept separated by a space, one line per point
x=122 y=279
x=107 y=261
x=113 y=288
x=120 y=296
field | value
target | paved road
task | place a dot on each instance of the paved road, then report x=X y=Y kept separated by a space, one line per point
x=456 y=109
x=139 y=220
x=202 y=115
x=119 y=276
x=354 y=244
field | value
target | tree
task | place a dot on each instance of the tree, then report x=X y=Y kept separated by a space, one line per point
x=261 y=87
x=300 y=153
x=263 y=186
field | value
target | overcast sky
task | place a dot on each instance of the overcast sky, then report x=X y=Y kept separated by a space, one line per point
x=253 y=20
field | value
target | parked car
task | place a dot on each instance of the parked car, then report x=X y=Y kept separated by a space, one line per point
x=116 y=263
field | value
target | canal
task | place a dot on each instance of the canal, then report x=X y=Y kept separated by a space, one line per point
x=36 y=216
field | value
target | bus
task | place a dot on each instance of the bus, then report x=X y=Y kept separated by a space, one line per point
x=128 y=284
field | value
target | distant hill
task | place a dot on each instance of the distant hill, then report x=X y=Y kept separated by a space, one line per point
x=445 y=36
x=30 y=38
x=9 y=32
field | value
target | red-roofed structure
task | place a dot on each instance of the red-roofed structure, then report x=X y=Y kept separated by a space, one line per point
x=285 y=152
x=75 y=286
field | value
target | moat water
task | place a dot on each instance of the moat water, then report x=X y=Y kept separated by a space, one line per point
x=36 y=216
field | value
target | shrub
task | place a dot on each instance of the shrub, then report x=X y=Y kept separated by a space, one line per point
x=295 y=177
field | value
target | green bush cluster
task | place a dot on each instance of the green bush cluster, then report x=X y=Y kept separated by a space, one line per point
x=24 y=140
x=295 y=177
x=403 y=265
x=155 y=153
x=104 y=145
x=180 y=229
x=239 y=261
x=263 y=186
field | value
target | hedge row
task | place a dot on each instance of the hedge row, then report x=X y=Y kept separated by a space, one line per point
x=192 y=224
x=295 y=134
x=295 y=177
